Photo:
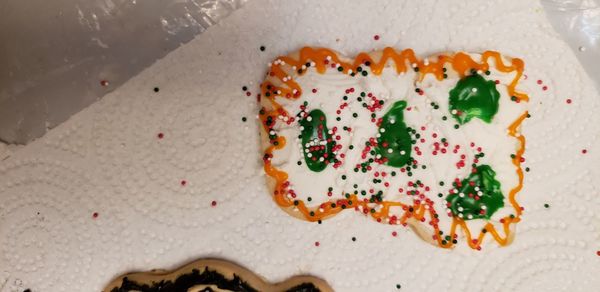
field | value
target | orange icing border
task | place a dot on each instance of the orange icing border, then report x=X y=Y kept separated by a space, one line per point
x=461 y=63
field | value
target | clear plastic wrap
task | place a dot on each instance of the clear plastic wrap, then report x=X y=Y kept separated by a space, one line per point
x=60 y=56
x=578 y=22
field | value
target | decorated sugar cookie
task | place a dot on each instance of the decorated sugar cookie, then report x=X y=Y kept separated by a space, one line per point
x=434 y=143
x=208 y=275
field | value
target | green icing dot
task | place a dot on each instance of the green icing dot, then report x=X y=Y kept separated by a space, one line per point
x=395 y=136
x=312 y=133
x=473 y=96
x=490 y=200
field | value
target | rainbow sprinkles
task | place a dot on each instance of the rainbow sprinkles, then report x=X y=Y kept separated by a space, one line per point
x=432 y=143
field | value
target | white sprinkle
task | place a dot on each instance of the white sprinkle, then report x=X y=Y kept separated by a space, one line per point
x=382 y=130
x=460 y=215
x=349 y=71
x=426 y=62
x=272 y=133
x=476 y=189
x=480 y=193
x=309 y=118
x=483 y=207
x=309 y=155
x=392 y=122
x=470 y=216
x=414 y=65
x=390 y=150
x=301 y=128
x=474 y=89
x=378 y=156
x=582 y=49
x=460 y=209
x=294 y=91
x=328 y=58
x=462 y=195
x=402 y=152
x=303 y=67
x=321 y=159
x=479 y=72
x=313 y=64
x=307 y=145
x=284 y=79
x=269 y=64
x=330 y=132
x=294 y=68
x=453 y=112
x=378 y=135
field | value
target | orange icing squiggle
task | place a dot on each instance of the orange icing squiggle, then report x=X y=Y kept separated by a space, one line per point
x=462 y=63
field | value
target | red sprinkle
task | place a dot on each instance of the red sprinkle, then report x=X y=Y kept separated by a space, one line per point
x=104 y=82
x=598 y=253
x=213 y=203
x=376 y=37
x=584 y=151
x=95 y=215
x=317 y=243
x=569 y=101
x=394 y=233
x=314 y=90
x=160 y=135
x=545 y=88
x=539 y=81
x=183 y=182
x=248 y=93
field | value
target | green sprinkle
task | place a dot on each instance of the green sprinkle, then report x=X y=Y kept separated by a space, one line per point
x=546 y=206
x=244 y=119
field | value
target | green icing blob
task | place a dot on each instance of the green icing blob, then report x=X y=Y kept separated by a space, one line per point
x=473 y=96
x=490 y=200
x=395 y=135
x=313 y=133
